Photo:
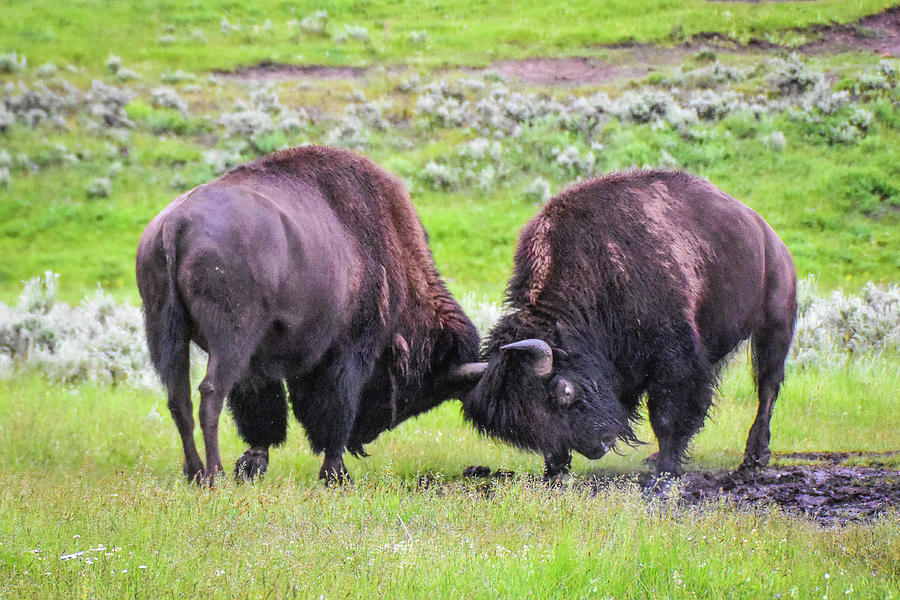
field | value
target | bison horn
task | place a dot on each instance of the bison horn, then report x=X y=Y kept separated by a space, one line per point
x=540 y=353
x=467 y=372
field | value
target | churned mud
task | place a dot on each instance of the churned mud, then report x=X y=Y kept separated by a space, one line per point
x=831 y=489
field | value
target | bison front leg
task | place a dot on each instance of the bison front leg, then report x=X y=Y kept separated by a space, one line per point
x=327 y=407
x=676 y=413
x=556 y=466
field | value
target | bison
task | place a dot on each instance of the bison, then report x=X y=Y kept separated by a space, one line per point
x=306 y=276
x=634 y=283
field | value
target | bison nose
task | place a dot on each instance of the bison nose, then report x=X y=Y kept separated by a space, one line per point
x=608 y=443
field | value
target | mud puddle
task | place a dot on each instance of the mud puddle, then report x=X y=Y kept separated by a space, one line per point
x=828 y=490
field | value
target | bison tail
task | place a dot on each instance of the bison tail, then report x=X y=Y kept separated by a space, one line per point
x=167 y=336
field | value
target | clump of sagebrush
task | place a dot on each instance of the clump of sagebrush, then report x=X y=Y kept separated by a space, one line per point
x=263 y=114
x=166 y=97
x=538 y=190
x=315 y=23
x=99 y=187
x=108 y=103
x=483 y=313
x=102 y=341
x=11 y=62
x=791 y=76
x=836 y=328
x=417 y=38
x=353 y=32
x=98 y=340
x=178 y=76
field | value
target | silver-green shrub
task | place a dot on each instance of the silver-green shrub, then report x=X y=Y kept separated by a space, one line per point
x=99 y=340
x=102 y=341
x=835 y=329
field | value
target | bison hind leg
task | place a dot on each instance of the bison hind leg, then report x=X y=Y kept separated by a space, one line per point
x=769 y=350
x=259 y=408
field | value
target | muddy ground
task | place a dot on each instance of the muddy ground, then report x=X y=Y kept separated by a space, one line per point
x=828 y=487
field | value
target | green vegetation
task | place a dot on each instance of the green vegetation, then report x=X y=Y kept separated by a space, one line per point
x=223 y=33
x=96 y=138
x=92 y=504
x=104 y=120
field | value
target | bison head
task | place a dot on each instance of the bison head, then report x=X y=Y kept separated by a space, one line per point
x=549 y=402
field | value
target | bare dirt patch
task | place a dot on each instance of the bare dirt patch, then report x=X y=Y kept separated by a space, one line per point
x=828 y=490
x=877 y=33
x=273 y=71
x=567 y=71
x=626 y=61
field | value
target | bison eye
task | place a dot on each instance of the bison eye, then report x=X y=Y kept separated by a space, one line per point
x=563 y=391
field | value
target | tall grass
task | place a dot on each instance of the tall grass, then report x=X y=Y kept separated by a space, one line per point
x=92 y=504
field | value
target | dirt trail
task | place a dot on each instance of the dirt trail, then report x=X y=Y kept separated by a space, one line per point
x=878 y=33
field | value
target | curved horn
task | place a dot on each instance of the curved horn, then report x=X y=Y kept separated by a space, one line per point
x=467 y=372
x=538 y=350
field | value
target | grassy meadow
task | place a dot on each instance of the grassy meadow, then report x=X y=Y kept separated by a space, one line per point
x=104 y=120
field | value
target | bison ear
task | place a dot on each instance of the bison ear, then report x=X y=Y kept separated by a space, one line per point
x=538 y=353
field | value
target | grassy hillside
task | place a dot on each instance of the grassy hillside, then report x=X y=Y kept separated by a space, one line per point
x=156 y=36
x=108 y=110
x=95 y=138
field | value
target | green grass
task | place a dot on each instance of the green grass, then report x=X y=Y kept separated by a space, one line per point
x=96 y=470
x=835 y=204
x=457 y=33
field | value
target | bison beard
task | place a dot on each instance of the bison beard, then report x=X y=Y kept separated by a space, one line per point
x=630 y=284
x=307 y=278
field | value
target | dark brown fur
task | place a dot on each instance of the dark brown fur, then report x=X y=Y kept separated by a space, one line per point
x=307 y=270
x=641 y=282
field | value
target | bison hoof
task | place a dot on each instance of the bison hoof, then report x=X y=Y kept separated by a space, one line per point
x=663 y=484
x=252 y=464
x=477 y=471
x=752 y=463
x=193 y=474
x=334 y=476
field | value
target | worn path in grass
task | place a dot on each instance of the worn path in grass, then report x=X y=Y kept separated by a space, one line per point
x=879 y=33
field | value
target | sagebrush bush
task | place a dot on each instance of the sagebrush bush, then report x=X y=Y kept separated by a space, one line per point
x=102 y=341
x=836 y=328
x=98 y=340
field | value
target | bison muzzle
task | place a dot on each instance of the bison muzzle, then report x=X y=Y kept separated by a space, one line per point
x=633 y=284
